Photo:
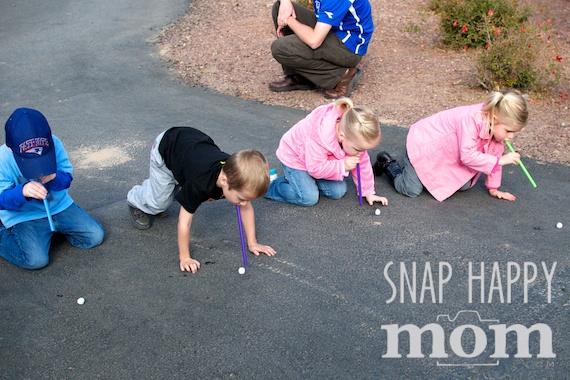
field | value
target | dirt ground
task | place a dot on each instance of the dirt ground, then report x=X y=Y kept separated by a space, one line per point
x=407 y=76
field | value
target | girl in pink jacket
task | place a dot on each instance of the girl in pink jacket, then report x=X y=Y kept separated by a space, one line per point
x=319 y=151
x=448 y=151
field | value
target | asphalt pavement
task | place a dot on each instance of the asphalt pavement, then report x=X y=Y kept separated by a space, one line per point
x=479 y=287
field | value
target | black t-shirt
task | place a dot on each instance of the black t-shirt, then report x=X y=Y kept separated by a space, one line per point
x=196 y=162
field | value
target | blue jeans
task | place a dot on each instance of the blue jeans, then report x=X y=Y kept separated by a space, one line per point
x=298 y=187
x=27 y=244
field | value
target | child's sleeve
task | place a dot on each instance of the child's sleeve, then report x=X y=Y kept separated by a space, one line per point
x=61 y=181
x=12 y=199
x=366 y=175
x=469 y=154
x=63 y=163
x=493 y=179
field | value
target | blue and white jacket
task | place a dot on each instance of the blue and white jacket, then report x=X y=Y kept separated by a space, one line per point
x=351 y=21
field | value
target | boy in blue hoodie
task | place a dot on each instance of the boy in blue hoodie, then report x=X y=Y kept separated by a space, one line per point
x=35 y=174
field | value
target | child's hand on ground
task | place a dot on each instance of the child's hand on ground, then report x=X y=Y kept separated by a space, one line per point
x=257 y=248
x=350 y=162
x=502 y=195
x=189 y=265
x=510 y=158
x=375 y=198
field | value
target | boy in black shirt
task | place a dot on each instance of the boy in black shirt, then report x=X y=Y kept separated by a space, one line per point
x=188 y=159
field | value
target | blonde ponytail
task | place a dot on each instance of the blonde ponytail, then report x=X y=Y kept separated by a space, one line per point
x=508 y=106
x=359 y=120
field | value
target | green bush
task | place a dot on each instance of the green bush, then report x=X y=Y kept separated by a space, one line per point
x=524 y=60
x=472 y=23
x=514 y=52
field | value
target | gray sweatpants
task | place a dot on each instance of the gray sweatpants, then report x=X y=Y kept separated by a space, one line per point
x=408 y=183
x=156 y=193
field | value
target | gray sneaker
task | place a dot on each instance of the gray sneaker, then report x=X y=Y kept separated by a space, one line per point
x=141 y=220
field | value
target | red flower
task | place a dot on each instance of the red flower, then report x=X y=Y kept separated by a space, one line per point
x=464 y=47
x=529 y=45
x=496 y=31
x=490 y=12
x=454 y=23
x=523 y=30
x=564 y=95
x=539 y=24
x=464 y=29
x=558 y=58
x=487 y=46
x=548 y=21
x=548 y=38
x=553 y=72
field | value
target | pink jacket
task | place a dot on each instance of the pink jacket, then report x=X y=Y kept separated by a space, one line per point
x=451 y=147
x=311 y=145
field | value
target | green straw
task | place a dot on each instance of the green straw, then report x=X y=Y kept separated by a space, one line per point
x=508 y=144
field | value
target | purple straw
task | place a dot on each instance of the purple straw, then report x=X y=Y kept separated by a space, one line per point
x=243 y=251
x=359 y=184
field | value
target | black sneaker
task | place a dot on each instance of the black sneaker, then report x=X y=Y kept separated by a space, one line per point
x=141 y=220
x=383 y=160
x=393 y=170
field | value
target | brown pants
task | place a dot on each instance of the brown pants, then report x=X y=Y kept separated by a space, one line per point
x=324 y=66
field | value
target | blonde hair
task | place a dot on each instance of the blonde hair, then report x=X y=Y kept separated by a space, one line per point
x=358 y=121
x=508 y=106
x=248 y=170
